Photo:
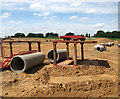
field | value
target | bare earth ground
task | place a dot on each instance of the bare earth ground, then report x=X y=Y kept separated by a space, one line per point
x=96 y=77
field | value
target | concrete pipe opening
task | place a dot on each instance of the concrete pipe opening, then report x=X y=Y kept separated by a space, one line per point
x=21 y=63
x=50 y=55
x=17 y=64
x=61 y=54
x=98 y=48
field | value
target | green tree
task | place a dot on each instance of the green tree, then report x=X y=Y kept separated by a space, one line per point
x=89 y=35
x=86 y=35
x=69 y=33
x=35 y=35
x=115 y=34
x=107 y=34
x=19 y=35
x=100 y=33
x=51 y=34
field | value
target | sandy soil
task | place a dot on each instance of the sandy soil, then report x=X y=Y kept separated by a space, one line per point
x=97 y=76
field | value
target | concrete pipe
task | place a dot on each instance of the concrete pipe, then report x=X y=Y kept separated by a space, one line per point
x=100 y=47
x=110 y=44
x=61 y=54
x=118 y=44
x=21 y=63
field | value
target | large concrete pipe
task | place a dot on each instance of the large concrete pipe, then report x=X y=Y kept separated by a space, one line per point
x=110 y=44
x=21 y=63
x=100 y=47
x=118 y=44
x=61 y=54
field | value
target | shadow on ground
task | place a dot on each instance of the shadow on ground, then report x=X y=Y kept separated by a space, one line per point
x=36 y=68
x=93 y=63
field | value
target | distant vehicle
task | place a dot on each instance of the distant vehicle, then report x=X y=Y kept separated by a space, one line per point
x=100 y=47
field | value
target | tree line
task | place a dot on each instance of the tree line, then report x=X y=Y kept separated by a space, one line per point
x=51 y=34
x=100 y=33
x=113 y=34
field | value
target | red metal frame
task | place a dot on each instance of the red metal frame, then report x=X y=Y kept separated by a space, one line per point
x=5 y=64
x=2 y=52
x=73 y=37
x=75 y=49
x=62 y=41
x=29 y=43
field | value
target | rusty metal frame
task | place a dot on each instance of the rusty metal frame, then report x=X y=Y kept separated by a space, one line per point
x=67 y=47
x=29 y=43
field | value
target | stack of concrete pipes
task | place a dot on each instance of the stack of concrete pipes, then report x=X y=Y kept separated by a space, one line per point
x=21 y=63
x=102 y=46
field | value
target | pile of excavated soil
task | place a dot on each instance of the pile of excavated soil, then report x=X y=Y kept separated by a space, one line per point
x=62 y=81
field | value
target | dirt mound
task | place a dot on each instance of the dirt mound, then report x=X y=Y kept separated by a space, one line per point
x=62 y=81
x=79 y=70
x=103 y=40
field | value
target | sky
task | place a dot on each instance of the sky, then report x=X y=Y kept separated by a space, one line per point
x=42 y=16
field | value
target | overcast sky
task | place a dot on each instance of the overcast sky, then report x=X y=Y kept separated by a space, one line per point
x=42 y=16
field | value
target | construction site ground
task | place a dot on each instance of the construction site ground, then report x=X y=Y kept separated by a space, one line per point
x=97 y=75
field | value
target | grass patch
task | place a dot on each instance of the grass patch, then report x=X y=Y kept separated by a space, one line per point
x=44 y=37
x=91 y=38
x=116 y=39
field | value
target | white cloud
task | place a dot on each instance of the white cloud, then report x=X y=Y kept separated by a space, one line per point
x=5 y=15
x=11 y=21
x=99 y=25
x=45 y=17
x=79 y=25
x=53 y=17
x=51 y=1
x=61 y=28
x=39 y=14
x=73 y=17
x=64 y=7
x=57 y=23
x=34 y=13
x=15 y=22
x=15 y=8
x=83 y=18
x=42 y=14
x=21 y=8
x=90 y=11
x=75 y=4
x=19 y=22
x=37 y=6
x=46 y=13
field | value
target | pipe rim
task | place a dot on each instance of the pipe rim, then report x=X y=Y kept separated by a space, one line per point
x=18 y=71
x=52 y=60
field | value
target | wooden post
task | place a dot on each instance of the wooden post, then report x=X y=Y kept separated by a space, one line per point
x=30 y=46
x=67 y=44
x=39 y=49
x=11 y=52
x=1 y=49
x=54 y=54
x=75 y=54
x=82 y=51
